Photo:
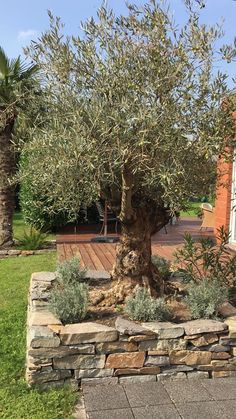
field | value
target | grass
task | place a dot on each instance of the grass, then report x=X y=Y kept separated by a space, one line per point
x=17 y=401
x=192 y=211
x=19 y=226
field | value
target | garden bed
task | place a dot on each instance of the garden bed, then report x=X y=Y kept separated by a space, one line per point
x=91 y=352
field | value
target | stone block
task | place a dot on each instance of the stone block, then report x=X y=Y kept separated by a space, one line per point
x=94 y=373
x=79 y=362
x=106 y=381
x=43 y=276
x=125 y=360
x=137 y=379
x=219 y=348
x=42 y=337
x=190 y=357
x=220 y=355
x=61 y=351
x=220 y=374
x=127 y=327
x=38 y=377
x=138 y=338
x=176 y=368
x=165 y=330
x=160 y=352
x=195 y=327
x=205 y=340
x=115 y=347
x=136 y=371
x=13 y=252
x=227 y=310
x=197 y=375
x=157 y=360
x=171 y=376
x=42 y=318
x=87 y=333
x=163 y=345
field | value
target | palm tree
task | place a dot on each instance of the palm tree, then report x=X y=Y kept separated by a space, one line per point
x=16 y=82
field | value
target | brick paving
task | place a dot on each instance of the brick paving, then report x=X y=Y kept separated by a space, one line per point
x=186 y=399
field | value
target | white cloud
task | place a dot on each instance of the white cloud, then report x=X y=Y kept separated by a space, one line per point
x=26 y=34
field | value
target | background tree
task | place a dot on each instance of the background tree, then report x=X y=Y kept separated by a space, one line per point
x=15 y=84
x=136 y=118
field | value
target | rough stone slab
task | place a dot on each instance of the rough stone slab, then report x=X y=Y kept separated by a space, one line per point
x=227 y=310
x=190 y=357
x=105 y=381
x=137 y=379
x=136 y=371
x=221 y=374
x=171 y=376
x=159 y=352
x=137 y=338
x=97 y=276
x=80 y=362
x=195 y=327
x=86 y=333
x=126 y=327
x=227 y=341
x=42 y=318
x=157 y=360
x=163 y=345
x=94 y=373
x=219 y=348
x=13 y=252
x=42 y=337
x=39 y=377
x=126 y=360
x=205 y=340
x=51 y=384
x=43 y=276
x=61 y=351
x=220 y=355
x=165 y=330
x=197 y=375
x=176 y=368
x=115 y=347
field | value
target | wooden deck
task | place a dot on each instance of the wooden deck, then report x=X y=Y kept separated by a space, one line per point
x=101 y=256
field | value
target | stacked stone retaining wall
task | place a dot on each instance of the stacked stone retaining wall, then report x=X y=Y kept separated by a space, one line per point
x=93 y=353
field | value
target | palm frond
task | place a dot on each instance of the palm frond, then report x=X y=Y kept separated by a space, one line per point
x=4 y=63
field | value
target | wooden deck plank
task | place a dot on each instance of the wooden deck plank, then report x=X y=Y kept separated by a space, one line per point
x=87 y=261
x=106 y=259
x=97 y=262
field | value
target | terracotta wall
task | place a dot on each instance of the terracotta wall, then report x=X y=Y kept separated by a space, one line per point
x=223 y=195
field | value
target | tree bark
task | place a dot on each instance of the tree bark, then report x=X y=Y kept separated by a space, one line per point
x=7 y=193
x=133 y=252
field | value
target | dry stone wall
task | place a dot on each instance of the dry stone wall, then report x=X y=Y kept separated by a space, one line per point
x=93 y=353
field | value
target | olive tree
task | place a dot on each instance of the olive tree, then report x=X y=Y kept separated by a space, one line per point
x=133 y=113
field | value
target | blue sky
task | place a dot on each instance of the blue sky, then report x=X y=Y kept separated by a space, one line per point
x=23 y=20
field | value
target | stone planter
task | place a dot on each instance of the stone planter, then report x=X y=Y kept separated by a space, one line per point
x=93 y=353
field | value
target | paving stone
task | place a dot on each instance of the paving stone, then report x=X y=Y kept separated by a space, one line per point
x=42 y=318
x=189 y=391
x=80 y=361
x=126 y=360
x=87 y=333
x=42 y=337
x=163 y=345
x=137 y=379
x=112 y=414
x=126 y=327
x=190 y=357
x=156 y=412
x=115 y=347
x=104 y=398
x=199 y=410
x=146 y=394
x=157 y=360
x=221 y=389
x=195 y=327
x=229 y=408
x=94 y=373
x=165 y=330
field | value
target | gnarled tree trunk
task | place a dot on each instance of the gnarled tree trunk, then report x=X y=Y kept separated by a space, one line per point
x=7 y=194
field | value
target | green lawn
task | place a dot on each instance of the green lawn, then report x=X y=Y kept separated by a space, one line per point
x=192 y=211
x=19 y=226
x=17 y=401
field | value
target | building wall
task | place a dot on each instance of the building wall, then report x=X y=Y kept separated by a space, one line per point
x=223 y=195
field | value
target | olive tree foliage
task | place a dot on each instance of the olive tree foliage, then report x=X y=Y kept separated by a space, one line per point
x=132 y=108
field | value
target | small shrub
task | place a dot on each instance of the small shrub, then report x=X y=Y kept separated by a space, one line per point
x=70 y=303
x=162 y=265
x=70 y=272
x=32 y=240
x=143 y=307
x=204 y=299
x=204 y=260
